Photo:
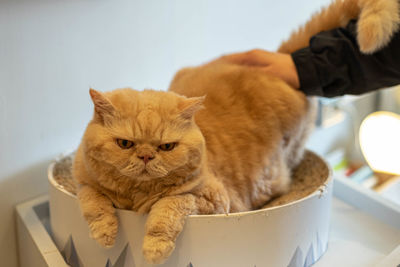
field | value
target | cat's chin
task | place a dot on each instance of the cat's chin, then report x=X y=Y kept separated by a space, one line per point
x=146 y=176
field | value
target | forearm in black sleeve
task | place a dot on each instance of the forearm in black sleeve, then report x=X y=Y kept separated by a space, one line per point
x=333 y=65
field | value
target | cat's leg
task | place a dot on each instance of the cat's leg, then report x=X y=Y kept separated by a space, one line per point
x=294 y=150
x=99 y=212
x=164 y=223
x=279 y=176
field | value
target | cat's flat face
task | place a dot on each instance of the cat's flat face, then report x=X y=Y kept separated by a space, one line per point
x=144 y=135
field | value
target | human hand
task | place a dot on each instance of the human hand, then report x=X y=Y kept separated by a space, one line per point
x=277 y=64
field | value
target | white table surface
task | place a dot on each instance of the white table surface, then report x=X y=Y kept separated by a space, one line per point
x=359 y=240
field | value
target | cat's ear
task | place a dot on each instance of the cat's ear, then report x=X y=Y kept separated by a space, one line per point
x=190 y=106
x=102 y=106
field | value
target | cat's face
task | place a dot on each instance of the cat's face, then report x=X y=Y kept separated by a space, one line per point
x=144 y=135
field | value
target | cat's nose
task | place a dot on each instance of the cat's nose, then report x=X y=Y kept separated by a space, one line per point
x=146 y=158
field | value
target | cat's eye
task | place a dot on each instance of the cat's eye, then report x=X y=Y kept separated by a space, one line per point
x=125 y=144
x=167 y=146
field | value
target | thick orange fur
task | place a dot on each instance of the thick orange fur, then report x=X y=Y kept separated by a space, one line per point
x=254 y=126
x=234 y=150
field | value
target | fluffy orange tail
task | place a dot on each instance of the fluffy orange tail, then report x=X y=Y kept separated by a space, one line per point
x=377 y=21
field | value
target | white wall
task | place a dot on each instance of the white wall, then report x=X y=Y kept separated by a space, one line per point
x=51 y=51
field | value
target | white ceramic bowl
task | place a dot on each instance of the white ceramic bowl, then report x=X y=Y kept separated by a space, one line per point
x=291 y=235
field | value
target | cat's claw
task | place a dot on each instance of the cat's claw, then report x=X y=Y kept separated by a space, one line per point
x=104 y=230
x=156 y=249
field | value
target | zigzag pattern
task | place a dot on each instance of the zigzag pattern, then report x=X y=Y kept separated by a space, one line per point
x=125 y=259
x=310 y=258
x=70 y=255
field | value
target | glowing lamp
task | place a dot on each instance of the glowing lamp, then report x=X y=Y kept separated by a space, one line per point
x=380 y=141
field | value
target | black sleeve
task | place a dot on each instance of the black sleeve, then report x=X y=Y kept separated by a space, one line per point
x=333 y=65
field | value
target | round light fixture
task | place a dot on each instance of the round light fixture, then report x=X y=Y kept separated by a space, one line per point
x=380 y=141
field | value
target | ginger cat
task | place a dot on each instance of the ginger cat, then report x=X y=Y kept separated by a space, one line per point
x=172 y=154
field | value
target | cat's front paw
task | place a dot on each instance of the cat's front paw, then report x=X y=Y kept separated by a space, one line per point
x=156 y=249
x=104 y=230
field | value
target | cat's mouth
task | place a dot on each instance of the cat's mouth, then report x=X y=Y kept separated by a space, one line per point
x=152 y=172
x=145 y=172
